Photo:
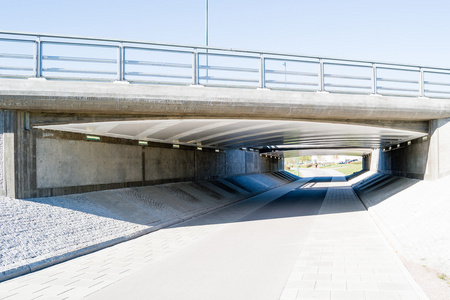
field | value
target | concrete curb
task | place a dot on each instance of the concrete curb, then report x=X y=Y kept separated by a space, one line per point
x=42 y=264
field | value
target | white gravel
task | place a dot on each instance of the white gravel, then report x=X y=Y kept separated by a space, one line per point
x=36 y=229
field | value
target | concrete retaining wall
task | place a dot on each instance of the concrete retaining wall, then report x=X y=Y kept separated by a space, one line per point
x=64 y=163
x=234 y=160
x=409 y=161
x=168 y=164
x=425 y=158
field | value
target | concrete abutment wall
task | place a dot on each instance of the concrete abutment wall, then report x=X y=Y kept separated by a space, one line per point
x=424 y=158
x=38 y=163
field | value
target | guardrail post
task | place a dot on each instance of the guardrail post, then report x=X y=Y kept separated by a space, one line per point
x=37 y=68
x=421 y=84
x=195 y=69
x=120 y=62
x=374 y=79
x=321 y=76
x=262 y=72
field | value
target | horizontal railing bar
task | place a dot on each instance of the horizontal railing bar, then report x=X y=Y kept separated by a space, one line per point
x=16 y=40
x=41 y=35
x=347 y=86
x=348 y=65
x=347 y=77
x=16 y=56
x=437 y=83
x=223 y=85
x=159 y=64
x=14 y=76
x=78 y=44
x=397 y=80
x=79 y=59
x=292 y=89
x=132 y=80
x=62 y=70
x=156 y=75
x=437 y=91
x=15 y=68
x=228 y=55
x=80 y=78
x=292 y=73
x=397 y=89
x=416 y=68
x=426 y=71
x=291 y=82
x=228 y=79
x=221 y=68
x=292 y=60
x=158 y=49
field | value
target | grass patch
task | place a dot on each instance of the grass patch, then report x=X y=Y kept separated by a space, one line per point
x=346 y=169
x=294 y=172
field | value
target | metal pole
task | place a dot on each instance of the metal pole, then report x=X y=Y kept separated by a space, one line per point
x=207 y=38
x=284 y=64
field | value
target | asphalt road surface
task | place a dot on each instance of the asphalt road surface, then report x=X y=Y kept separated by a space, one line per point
x=249 y=258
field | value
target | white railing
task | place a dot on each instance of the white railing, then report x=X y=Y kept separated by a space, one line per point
x=25 y=55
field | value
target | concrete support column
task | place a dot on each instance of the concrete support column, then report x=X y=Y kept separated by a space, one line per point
x=366 y=162
x=438 y=164
x=19 y=156
x=424 y=158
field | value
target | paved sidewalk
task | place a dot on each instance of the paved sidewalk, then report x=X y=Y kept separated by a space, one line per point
x=346 y=257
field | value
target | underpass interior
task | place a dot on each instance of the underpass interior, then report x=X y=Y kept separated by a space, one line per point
x=177 y=169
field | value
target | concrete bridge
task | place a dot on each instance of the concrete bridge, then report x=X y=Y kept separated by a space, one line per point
x=84 y=114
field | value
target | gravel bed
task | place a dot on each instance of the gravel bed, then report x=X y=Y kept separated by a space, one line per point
x=35 y=229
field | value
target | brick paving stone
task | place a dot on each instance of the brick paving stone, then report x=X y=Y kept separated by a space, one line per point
x=344 y=237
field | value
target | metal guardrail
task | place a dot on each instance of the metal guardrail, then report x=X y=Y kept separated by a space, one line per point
x=25 y=55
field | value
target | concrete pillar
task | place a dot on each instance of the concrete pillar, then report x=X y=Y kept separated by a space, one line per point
x=425 y=158
x=19 y=156
x=366 y=162
x=438 y=163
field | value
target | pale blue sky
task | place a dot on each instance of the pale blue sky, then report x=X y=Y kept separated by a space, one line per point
x=415 y=32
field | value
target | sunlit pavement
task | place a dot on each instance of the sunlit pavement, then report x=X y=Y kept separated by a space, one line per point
x=305 y=240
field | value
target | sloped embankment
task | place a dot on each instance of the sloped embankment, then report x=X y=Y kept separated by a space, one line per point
x=35 y=233
x=414 y=214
